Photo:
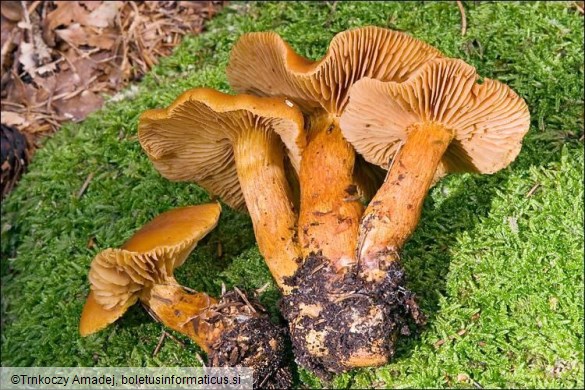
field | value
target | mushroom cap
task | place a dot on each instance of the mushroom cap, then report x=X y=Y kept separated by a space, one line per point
x=117 y=276
x=264 y=64
x=192 y=139
x=488 y=120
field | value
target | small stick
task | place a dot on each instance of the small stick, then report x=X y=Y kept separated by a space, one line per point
x=161 y=339
x=463 y=18
x=243 y=296
x=189 y=289
x=200 y=360
x=176 y=340
x=263 y=288
x=85 y=185
x=533 y=190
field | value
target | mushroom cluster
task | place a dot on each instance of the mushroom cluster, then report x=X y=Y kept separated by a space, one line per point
x=302 y=149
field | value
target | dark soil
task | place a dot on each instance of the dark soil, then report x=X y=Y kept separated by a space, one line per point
x=355 y=318
x=252 y=341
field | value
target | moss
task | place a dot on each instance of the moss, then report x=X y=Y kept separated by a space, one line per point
x=499 y=273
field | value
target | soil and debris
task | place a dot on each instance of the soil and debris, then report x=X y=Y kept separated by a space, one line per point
x=335 y=317
x=60 y=57
x=251 y=341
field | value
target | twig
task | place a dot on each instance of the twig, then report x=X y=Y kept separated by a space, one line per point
x=463 y=18
x=176 y=340
x=85 y=185
x=161 y=339
x=189 y=289
x=533 y=190
x=263 y=288
x=200 y=359
x=579 y=8
x=245 y=299
x=331 y=15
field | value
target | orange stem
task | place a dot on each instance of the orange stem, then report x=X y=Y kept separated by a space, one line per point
x=395 y=210
x=330 y=211
x=260 y=166
x=183 y=312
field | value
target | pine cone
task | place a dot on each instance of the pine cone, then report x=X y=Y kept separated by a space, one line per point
x=15 y=157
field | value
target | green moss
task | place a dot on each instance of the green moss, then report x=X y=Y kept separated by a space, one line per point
x=500 y=273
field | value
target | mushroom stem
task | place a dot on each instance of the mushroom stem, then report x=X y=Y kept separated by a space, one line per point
x=233 y=330
x=395 y=210
x=260 y=167
x=181 y=311
x=330 y=211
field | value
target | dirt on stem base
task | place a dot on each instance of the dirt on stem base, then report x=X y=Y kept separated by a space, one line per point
x=251 y=340
x=339 y=321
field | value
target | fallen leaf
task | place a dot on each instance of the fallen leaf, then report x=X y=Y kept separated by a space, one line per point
x=11 y=10
x=12 y=119
x=78 y=108
x=77 y=35
x=65 y=13
x=103 y=16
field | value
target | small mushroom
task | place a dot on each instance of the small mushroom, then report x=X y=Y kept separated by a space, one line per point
x=233 y=330
x=329 y=305
x=440 y=119
x=234 y=147
x=118 y=277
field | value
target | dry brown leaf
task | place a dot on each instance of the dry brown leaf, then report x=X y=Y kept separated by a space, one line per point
x=12 y=119
x=77 y=35
x=66 y=13
x=11 y=10
x=90 y=5
x=77 y=109
x=104 y=15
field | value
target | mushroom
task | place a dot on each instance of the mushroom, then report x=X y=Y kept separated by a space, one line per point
x=233 y=146
x=327 y=304
x=232 y=330
x=440 y=119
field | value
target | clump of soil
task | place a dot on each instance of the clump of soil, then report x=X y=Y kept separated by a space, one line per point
x=339 y=321
x=252 y=341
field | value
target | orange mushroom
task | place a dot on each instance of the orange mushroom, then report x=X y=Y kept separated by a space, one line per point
x=233 y=330
x=440 y=119
x=234 y=146
x=329 y=311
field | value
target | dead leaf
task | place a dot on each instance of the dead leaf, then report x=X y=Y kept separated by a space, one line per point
x=90 y=5
x=77 y=35
x=103 y=16
x=11 y=10
x=77 y=109
x=66 y=13
x=12 y=119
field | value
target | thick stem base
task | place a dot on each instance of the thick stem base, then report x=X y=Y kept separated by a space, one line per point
x=338 y=322
x=234 y=331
